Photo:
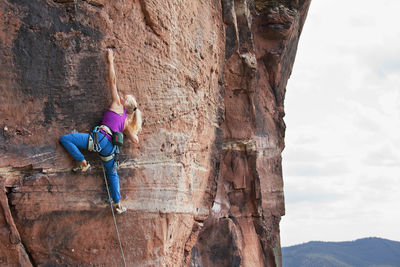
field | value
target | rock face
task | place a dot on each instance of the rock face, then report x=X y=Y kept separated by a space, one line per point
x=204 y=186
x=243 y=226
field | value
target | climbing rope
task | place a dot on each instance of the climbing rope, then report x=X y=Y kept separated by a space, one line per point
x=112 y=211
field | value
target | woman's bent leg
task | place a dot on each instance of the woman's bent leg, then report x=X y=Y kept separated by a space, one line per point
x=72 y=143
x=114 y=180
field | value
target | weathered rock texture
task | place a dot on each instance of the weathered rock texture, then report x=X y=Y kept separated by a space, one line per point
x=243 y=226
x=204 y=187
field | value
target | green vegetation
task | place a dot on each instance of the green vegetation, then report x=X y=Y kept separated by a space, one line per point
x=262 y=5
x=367 y=252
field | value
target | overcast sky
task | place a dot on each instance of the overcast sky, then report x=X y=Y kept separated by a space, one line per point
x=341 y=164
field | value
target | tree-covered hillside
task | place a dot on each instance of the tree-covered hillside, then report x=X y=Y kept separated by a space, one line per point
x=367 y=252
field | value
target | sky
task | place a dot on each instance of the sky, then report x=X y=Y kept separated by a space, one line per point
x=341 y=164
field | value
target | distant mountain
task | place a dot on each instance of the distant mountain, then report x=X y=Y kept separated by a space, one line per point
x=366 y=252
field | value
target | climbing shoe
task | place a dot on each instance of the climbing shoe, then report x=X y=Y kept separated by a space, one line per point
x=120 y=210
x=81 y=168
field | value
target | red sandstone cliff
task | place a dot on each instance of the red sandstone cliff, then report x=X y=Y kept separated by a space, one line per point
x=204 y=186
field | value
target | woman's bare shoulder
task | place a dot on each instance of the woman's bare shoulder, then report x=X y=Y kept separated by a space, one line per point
x=117 y=108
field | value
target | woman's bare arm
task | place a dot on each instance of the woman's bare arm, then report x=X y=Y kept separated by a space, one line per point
x=131 y=136
x=116 y=101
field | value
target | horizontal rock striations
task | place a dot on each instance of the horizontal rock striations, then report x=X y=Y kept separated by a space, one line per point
x=203 y=187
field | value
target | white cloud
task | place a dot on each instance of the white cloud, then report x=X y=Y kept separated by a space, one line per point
x=341 y=162
x=362 y=21
x=384 y=156
x=317 y=168
x=301 y=154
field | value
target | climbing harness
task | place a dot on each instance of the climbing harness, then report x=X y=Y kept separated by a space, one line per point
x=117 y=140
x=112 y=211
x=94 y=143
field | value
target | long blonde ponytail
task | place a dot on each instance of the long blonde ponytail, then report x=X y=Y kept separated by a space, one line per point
x=136 y=121
x=135 y=115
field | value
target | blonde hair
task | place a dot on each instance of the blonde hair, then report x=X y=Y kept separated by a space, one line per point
x=135 y=115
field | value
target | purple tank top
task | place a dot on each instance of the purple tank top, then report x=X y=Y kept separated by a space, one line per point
x=115 y=121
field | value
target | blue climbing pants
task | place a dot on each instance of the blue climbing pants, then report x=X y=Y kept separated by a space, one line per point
x=75 y=141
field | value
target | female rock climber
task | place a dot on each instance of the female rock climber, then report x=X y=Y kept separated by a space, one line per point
x=122 y=116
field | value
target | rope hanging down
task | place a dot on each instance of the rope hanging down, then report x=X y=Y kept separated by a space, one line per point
x=115 y=221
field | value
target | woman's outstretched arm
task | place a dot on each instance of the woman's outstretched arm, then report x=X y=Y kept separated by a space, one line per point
x=116 y=101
